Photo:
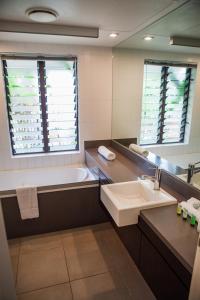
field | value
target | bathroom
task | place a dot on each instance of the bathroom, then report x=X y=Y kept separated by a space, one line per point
x=84 y=215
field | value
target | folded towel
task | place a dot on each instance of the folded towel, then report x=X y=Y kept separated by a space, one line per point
x=106 y=153
x=28 y=202
x=139 y=149
x=190 y=206
x=194 y=202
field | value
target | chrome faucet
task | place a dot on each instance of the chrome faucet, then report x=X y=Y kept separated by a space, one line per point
x=156 y=179
x=191 y=171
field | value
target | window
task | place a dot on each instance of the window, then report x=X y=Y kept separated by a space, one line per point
x=166 y=94
x=42 y=104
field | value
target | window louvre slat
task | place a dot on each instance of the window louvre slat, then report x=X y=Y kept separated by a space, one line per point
x=166 y=110
x=42 y=104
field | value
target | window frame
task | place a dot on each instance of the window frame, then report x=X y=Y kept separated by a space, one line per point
x=43 y=101
x=161 y=118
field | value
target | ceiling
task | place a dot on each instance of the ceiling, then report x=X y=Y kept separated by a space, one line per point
x=184 y=22
x=123 y=16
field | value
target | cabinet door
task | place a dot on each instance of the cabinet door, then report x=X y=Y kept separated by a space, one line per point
x=157 y=273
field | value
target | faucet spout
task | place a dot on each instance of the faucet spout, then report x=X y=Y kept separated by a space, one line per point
x=156 y=179
x=191 y=171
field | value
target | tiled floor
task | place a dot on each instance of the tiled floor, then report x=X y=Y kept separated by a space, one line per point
x=84 y=263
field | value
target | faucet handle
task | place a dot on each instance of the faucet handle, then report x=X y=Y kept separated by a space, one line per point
x=157 y=170
x=154 y=168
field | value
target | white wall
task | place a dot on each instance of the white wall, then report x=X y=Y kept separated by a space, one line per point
x=128 y=66
x=95 y=102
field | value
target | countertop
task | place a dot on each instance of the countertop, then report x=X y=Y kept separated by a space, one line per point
x=119 y=170
x=177 y=234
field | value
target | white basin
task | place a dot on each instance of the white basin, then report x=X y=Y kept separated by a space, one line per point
x=125 y=200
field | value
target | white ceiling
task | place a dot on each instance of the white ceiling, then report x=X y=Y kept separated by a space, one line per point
x=123 y=16
x=184 y=22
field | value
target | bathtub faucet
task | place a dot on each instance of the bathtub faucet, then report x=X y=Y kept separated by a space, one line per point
x=191 y=171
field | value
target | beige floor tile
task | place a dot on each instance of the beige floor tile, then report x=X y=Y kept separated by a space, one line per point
x=84 y=254
x=86 y=264
x=14 y=246
x=112 y=249
x=39 y=269
x=101 y=287
x=77 y=243
x=40 y=242
x=135 y=283
x=57 y=292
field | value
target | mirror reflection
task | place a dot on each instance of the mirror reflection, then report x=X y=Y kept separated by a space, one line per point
x=156 y=92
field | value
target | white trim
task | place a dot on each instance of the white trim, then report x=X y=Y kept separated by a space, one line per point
x=56 y=190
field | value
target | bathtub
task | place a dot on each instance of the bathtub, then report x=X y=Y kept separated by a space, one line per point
x=40 y=177
x=67 y=197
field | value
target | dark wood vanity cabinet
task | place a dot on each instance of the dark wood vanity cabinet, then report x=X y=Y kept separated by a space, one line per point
x=166 y=277
x=131 y=238
x=165 y=274
x=162 y=280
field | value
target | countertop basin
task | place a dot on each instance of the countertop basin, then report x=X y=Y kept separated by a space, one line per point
x=125 y=200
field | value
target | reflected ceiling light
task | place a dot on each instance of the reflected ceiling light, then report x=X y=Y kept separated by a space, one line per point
x=148 y=38
x=42 y=15
x=113 y=35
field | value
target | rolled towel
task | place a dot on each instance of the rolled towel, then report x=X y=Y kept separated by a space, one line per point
x=106 y=153
x=28 y=202
x=139 y=149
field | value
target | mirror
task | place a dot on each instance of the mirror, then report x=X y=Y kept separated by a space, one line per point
x=136 y=65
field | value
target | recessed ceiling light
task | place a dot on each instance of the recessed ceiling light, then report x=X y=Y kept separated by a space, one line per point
x=148 y=38
x=42 y=15
x=114 y=35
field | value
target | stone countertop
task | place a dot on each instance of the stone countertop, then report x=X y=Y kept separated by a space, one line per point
x=178 y=235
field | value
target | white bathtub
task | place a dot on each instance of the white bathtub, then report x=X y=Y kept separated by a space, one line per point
x=10 y=180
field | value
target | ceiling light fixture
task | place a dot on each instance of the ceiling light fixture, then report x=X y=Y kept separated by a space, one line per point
x=148 y=38
x=113 y=35
x=184 y=41
x=49 y=29
x=42 y=15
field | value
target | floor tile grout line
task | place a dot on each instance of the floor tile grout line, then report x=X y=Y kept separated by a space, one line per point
x=61 y=283
x=43 y=288
x=94 y=275
x=66 y=263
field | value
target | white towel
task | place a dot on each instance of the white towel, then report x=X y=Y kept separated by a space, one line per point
x=190 y=208
x=106 y=153
x=139 y=149
x=28 y=202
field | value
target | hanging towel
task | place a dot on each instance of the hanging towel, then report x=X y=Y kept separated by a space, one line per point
x=28 y=202
x=139 y=149
x=106 y=153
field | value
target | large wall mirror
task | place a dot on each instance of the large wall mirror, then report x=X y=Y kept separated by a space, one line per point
x=156 y=92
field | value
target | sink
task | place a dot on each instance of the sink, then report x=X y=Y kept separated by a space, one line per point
x=125 y=200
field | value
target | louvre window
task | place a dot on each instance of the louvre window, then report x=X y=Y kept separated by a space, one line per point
x=42 y=104
x=167 y=90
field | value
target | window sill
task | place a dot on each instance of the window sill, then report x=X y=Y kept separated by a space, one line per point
x=165 y=145
x=46 y=154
